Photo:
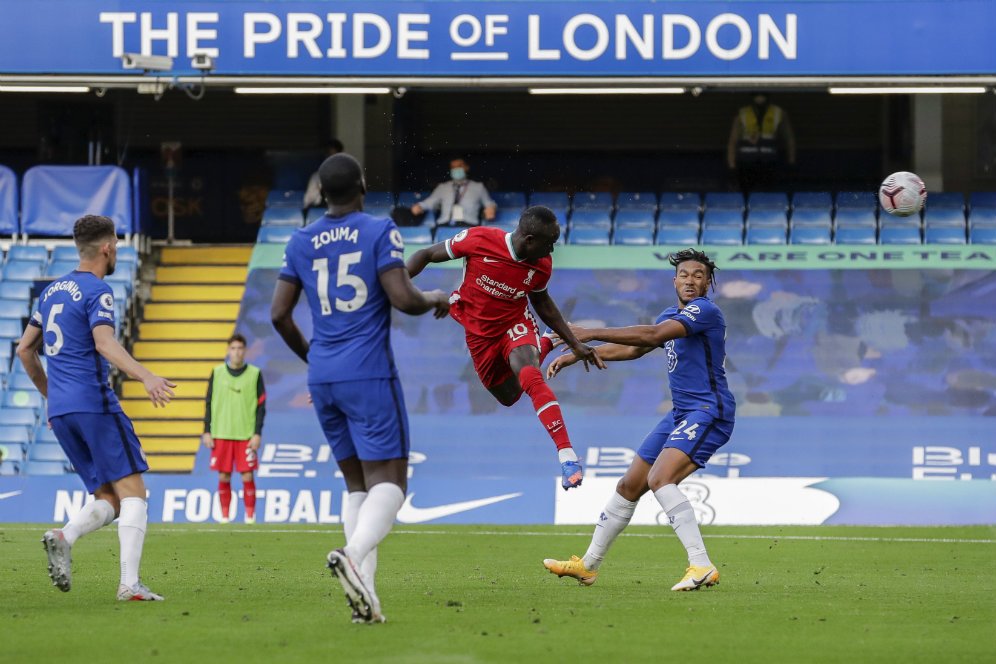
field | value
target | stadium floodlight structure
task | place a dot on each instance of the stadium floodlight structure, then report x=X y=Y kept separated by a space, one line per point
x=146 y=62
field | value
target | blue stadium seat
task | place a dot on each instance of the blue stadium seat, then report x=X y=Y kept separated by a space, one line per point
x=680 y=200
x=10 y=468
x=46 y=468
x=10 y=328
x=724 y=200
x=287 y=198
x=8 y=202
x=982 y=217
x=510 y=199
x=19 y=379
x=686 y=217
x=19 y=436
x=855 y=234
x=380 y=210
x=982 y=235
x=443 y=233
x=43 y=434
x=24 y=417
x=722 y=235
x=944 y=235
x=275 y=234
x=416 y=234
x=722 y=217
x=860 y=200
x=591 y=219
x=812 y=200
x=630 y=235
x=16 y=309
x=766 y=234
x=126 y=254
x=45 y=452
x=856 y=216
x=636 y=200
x=555 y=200
x=23 y=399
x=313 y=215
x=67 y=253
x=811 y=217
x=768 y=200
x=678 y=235
x=410 y=198
x=53 y=196
x=15 y=453
x=899 y=234
x=59 y=268
x=764 y=217
x=28 y=253
x=507 y=218
x=589 y=235
x=593 y=200
x=282 y=215
x=945 y=200
x=379 y=199
x=983 y=199
x=637 y=218
x=810 y=234
x=944 y=217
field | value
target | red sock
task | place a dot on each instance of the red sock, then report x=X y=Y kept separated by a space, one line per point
x=545 y=403
x=249 y=495
x=545 y=347
x=224 y=496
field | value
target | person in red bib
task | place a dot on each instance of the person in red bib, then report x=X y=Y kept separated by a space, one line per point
x=233 y=425
x=501 y=272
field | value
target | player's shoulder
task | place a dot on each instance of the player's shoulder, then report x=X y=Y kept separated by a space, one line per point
x=702 y=308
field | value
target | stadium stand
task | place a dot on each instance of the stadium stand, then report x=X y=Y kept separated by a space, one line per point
x=633 y=235
x=8 y=202
x=812 y=200
x=680 y=201
x=515 y=200
x=282 y=215
x=637 y=200
x=289 y=198
x=275 y=234
x=589 y=200
x=53 y=197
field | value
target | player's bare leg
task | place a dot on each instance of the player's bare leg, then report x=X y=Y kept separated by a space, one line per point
x=612 y=521
x=58 y=542
x=132 y=523
x=671 y=467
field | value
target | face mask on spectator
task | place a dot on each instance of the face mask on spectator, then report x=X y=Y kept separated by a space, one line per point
x=458 y=173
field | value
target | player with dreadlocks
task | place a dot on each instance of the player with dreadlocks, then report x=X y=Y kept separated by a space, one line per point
x=693 y=335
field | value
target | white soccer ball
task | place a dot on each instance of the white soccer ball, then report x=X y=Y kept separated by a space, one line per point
x=902 y=194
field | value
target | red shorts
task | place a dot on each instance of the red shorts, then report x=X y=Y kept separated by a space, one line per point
x=227 y=453
x=490 y=354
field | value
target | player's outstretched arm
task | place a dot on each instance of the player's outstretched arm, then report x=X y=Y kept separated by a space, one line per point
x=405 y=297
x=550 y=314
x=285 y=297
x=435 y=254
x=159 y=389
x=634 y=335
x=607 y=353
x=27 y=351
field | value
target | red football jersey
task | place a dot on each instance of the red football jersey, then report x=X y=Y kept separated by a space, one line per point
x=495 y=284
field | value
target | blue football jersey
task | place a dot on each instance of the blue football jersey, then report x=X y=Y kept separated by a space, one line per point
x=695 y=363
x=69 y=309
x=337 y=261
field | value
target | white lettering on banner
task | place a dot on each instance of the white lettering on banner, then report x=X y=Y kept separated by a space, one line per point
x=336 y=22
x=669 y=23
x=407 y=35
x=642 y=41
x=201 y=505
x=360 y=23
x=195 y=33
x=69 y=503
x=712 y=36
x=535 y=52
x=935 y=462
x=251 y=38
x=117 y=21
x=170 y=34
x=601 y=37
x=303 y=30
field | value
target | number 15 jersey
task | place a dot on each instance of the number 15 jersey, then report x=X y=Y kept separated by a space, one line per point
x=337 y=261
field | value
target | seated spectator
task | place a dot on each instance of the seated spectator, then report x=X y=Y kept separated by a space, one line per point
x=313 y=194
x=460 y=200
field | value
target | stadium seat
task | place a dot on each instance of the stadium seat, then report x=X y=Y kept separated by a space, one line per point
x=60 y=268
x=856 y=200
x=768 y=200
x=724 y=200
x=685 y=217
x=22 y=271
x=10 y=468
x=591 y=219
x=15 y=453
x=855 y=234
x=275 y=234
x=510 y=199
x=507 y=218
x=16 y=309
x=24 y=417
x=810 y=233
x=416 y=234
x=950 y=217
x=766 y=234
x=46 y=468
x=637 y=200
x=678 y=235
x=982 y=217
x=811 y=217
x=982 y=235
x=43 y=434
x=19 y=379
x=46 y=452
x=982 y=200
x=282 y=215
x=409 y=198
x=722 y=217
x=23 y=399
x=856 y=216
x=633 y=235
x=671 y=200
x=313 y=215
x=67 y=253
x=555 y=200
x=945 y=200
x=380 y=210
x=944 y=235
x=638 y=218
x=10 y=328
x=589 y=235
x=286 y=197
x=722 y=235
x=18 y=436
x=8 y=202
x=126 y=254
x=593 y=200
x=28 y=253
x=379 y=199
x=899 y=234
x=53 y=196
x=766 y=217
x=443 y=233
x=812 y=200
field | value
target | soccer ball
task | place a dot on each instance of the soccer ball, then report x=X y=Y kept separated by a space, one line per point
x=902 y=194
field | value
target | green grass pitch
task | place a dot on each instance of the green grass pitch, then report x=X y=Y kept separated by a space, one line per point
x=480 y=594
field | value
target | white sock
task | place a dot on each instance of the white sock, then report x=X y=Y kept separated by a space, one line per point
x=350 y=513
x=567 y=454
x=614 y=518
x=92 y=517
x=679 y=511
x=376 y=518
x=131 y=534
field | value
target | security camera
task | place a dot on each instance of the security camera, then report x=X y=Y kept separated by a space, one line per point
x=202 y=61
x=146 y=62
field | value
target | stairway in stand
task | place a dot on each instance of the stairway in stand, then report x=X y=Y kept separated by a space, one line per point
x=191 y=313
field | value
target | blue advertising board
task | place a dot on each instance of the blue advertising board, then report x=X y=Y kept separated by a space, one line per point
x=482 y=39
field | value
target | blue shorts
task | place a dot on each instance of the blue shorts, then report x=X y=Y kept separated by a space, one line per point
x=102 y=447
x=696 y=433
x=363 y=418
